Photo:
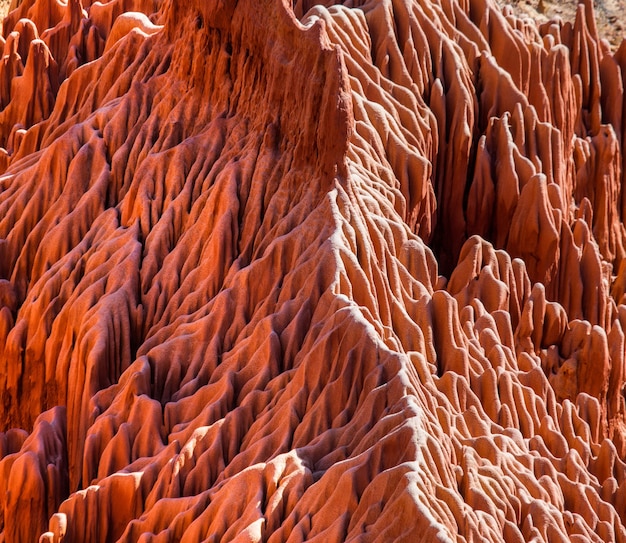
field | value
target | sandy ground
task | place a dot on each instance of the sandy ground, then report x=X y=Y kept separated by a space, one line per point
x=4 y=7
x=610 y=14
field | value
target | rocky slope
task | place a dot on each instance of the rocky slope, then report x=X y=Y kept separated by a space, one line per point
x=609 y=15
x=287 y=271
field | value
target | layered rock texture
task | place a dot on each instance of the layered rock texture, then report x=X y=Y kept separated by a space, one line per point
x=298 y=271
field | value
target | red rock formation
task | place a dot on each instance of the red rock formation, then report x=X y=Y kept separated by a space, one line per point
x=296 y=271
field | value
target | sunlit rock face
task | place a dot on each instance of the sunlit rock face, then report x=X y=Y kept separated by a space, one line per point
x=275 y=271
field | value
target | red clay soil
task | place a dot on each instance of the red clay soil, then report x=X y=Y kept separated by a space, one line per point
x=276 y=271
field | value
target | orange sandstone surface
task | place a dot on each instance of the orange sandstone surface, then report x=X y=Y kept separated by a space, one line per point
x=297 y=271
